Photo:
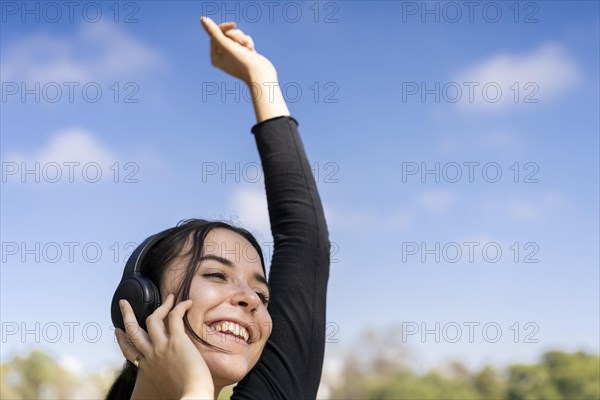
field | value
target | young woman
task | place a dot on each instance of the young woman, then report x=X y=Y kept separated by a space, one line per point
x=220 y=322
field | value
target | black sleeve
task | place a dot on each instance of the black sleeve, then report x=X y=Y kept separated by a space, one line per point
x=291 y=364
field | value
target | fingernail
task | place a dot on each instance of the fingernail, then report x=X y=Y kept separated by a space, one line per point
x=121 y=302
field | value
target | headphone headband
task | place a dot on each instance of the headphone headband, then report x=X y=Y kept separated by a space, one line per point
x=134 y=262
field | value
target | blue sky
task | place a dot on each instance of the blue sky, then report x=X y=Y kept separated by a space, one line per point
x=354 y=80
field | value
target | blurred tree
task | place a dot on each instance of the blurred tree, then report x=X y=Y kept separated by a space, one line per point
x=7 y=391
x=489 y=384
x=576 y=376
x=531 y=382
x=352 y=378
x=376 y=369
x=454 y=387
x=36 y=376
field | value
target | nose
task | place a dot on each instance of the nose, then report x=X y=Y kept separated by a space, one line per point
x=247 y=298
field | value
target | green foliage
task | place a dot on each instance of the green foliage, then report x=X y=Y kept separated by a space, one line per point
x=576 y=376
x=531 y=382
x=558 y=376
x=35 y=376
x=489 y=385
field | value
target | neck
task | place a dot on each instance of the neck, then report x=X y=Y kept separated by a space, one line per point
x=218 y=387
x=146 y=388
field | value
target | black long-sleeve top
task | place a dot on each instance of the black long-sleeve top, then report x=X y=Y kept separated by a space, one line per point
x=291 y=363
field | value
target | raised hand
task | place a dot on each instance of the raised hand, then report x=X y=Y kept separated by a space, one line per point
x=233 y=52
x=167 y=356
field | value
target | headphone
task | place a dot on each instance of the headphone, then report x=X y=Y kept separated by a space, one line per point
x=141 y=293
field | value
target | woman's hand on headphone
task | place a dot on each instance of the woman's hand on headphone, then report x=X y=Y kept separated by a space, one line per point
x=170 y=359
x=233 y=52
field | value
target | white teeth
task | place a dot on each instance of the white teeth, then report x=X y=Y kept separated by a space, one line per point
x=234 y=328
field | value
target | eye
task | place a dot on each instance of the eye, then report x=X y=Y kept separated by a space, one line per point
x=216 y=275
x=264 y=298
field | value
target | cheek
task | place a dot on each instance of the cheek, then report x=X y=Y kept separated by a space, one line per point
x=204 y=297
x=266 y=324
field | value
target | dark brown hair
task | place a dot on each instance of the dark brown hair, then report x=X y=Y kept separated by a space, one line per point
x=154 y=266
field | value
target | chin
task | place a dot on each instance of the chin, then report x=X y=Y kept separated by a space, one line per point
x=227 y=368
x=232 y=367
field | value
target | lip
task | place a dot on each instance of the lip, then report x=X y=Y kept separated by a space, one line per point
x=253 y=333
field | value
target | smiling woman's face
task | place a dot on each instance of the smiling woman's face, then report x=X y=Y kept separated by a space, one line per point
x=229 y=294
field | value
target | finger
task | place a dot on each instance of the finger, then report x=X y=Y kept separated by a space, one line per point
x=250 y=42
x=155 y=322
x=225 y=26
x=215 y=32
x=138 y=337
x=236 y=34
x=176 y=317
x=241 y=38
x=130 y=352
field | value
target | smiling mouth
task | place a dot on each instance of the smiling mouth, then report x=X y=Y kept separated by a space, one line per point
x=232 y=329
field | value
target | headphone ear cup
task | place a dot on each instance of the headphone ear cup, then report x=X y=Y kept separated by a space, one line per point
x=143 y=296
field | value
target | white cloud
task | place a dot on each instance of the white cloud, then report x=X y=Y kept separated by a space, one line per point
x=524 y=210
x=99 y=51
x=400 y=220
x=76 y=155
x=350 y=219
x=529 y=210
x=394 y=220
x=437 y=201
x=549 y=68
x=250 y=205
x=70 y=145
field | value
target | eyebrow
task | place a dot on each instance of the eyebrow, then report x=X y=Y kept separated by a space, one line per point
x=229 y=264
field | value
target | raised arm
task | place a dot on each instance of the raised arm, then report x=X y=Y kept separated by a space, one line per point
x=291 y=363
